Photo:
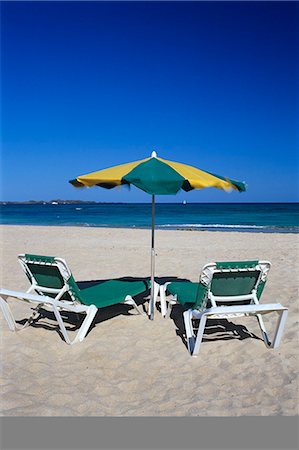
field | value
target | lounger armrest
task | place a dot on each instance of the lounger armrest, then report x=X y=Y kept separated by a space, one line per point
x=250 y=309
x=40 y=299
x=25 y=296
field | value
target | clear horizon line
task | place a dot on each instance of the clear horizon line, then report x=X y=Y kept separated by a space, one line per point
x=141 y=203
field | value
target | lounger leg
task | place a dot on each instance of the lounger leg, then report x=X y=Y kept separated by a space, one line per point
x=90 y=314
x=10 y=318
x=56 y=306
x=86 y=324
x=156 y=293
x=129 y=301
x=202 y=324
x=61 y=325
x=163 y=300
x=279 y=328
x=189 y=330
x=263 y=330
x=278 y=332
x=7 y=313
x=172 y=301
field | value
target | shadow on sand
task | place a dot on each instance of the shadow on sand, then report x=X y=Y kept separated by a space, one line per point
x=215 y=330
x=73 y=321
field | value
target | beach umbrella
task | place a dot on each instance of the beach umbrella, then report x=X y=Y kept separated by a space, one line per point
x=156 y=176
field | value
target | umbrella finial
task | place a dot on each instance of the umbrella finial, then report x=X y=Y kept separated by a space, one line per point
x=154 y=155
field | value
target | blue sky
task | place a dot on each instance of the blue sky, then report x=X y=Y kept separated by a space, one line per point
x=89 y=85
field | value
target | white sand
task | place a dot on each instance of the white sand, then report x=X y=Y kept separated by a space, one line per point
x=131 y=366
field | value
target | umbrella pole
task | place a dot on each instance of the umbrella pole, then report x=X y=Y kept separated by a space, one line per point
x=151 y=305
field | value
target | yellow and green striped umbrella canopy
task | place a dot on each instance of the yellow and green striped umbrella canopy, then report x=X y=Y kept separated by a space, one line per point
x=157 y=176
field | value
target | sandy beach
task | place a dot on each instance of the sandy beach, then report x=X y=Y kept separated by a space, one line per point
x=131 y=366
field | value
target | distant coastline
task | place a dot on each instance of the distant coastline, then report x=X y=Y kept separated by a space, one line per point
x=92 y=202
x=56 y=202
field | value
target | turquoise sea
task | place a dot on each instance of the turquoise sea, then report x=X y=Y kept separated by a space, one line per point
x=254 y=217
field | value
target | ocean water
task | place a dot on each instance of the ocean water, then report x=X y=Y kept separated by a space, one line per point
x=253 y=217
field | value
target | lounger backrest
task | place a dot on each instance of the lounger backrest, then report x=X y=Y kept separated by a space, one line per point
x=48 y=272
x=234 y=278
x=234 y=283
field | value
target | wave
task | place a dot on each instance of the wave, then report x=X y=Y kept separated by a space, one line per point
x=212 y=225
x=243 y=227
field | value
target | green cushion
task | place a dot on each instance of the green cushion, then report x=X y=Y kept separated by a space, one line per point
x=74 y=289
x=112 y=292
x=223 y=284
x=236 y=264
x=40 y=258
x=237 y=283
x=234 y=283
x=188 y=292
x=260 y=289
x=47 y=276
x=103 y=294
